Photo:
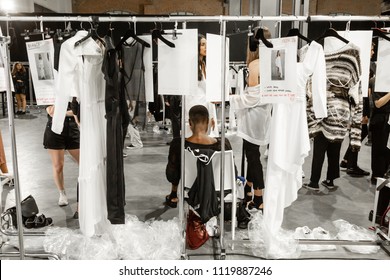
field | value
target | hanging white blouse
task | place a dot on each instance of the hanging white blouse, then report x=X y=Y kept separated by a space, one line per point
x=253 y=117
x=289 y=137
x=80 y=75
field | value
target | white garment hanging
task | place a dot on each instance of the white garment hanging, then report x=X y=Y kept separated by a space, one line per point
x=289 y=138
x=253 y=117
x=80 y=75
x=200 y=99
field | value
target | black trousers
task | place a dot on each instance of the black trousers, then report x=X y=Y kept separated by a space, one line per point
x=380 y=160
x=254 y=172
x=352 y=157
x=174 y=114
x=380 y=154
x=332 y=150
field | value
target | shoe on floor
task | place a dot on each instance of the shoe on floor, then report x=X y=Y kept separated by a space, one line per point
x=328 y=184
x=133 y=147
x=357 y=172
x=311 y=186
x=63 y=200
x=76 y=215
x=343 y=164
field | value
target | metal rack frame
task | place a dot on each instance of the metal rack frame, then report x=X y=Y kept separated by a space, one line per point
x=5 y=40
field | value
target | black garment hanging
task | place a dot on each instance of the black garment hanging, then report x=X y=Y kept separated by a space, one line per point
x=118 y=119
x=134 y=79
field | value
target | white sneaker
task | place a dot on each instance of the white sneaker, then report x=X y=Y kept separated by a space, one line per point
x=63 y=200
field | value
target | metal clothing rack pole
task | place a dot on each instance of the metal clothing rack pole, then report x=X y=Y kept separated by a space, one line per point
x=4 y=42
x=4 y=50
x=222 y=171
x=182 y=219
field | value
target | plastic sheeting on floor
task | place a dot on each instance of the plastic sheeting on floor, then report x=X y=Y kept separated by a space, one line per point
x=285 y=243
x=135 y=240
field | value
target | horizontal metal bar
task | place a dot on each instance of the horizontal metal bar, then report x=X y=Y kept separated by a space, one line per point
x=193 y=18
x=324 y=242
x=29 y=255
x=348 y=18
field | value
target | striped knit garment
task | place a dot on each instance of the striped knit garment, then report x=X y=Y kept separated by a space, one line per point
x=344 y=98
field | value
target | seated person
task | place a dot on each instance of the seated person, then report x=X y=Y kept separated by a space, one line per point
x=199 y=122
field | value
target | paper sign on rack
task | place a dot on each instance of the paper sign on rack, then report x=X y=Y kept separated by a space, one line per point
x=214 y=68
x=278 y=70
x=41 y=59
x=382 y=81
x=177 y=67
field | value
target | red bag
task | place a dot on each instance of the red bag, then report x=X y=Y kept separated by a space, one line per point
x=196 y=233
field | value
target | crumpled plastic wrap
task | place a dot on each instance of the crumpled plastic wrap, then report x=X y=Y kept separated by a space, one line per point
x=271 y=245
x=134 y=240
x=352 y=232
x=318 y=233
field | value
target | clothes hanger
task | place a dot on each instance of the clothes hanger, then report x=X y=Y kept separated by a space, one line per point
x=260 y=35
x=380 y=33
x=331 y=32
x=295 y=32
x=131 y=34
x=157 y=34
x=92 y=33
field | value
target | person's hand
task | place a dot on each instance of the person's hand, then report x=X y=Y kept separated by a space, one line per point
x=364 y=120
x=76 y=120
x=167 y=103
x=19 y=81
x=50 y=110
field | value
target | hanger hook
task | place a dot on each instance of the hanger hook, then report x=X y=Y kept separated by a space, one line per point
x=155 y=25
x=348 y=26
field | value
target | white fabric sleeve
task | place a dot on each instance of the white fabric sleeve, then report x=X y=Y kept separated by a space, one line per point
x=316 y=53
x=65 y=85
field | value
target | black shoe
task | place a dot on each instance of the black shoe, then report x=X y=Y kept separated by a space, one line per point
x=311 y=186
x=357 y=172
x=343 y=164
x=378 y=219
x=18 y=112
x=328 y=184
x=76 y=215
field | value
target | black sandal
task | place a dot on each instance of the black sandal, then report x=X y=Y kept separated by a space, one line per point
x=256 y=203
x=168 y=200
x=37 y=221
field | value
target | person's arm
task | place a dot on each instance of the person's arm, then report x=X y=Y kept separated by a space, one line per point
x=382 y=101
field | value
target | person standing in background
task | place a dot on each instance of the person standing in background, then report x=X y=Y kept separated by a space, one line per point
x=200 y=97
x=56 y=144
x=19 y=77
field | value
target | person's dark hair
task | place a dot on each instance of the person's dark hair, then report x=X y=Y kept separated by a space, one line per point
x=200 y=61
x=198 y=114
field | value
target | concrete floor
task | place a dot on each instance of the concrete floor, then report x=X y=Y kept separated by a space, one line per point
x=146 y=188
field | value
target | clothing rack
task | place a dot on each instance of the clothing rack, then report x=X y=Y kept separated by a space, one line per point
x=183 y=19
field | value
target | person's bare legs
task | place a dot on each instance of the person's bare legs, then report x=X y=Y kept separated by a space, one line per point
x=18 y=102
x=23 y=102
x=57 y=160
